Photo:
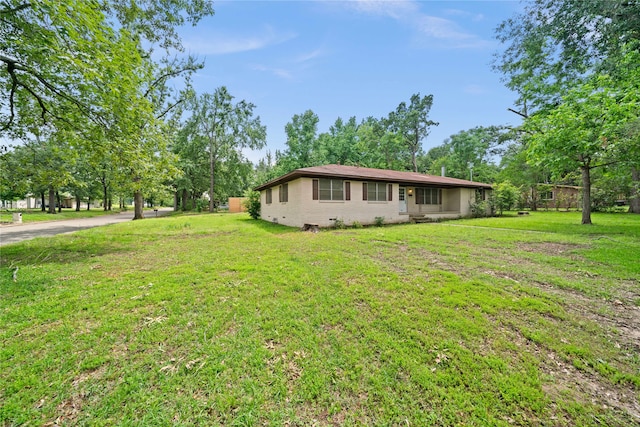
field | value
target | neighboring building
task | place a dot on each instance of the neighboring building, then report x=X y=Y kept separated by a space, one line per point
x=31 y=202
x=557 y=196
x=323 y=194
x=236 y=204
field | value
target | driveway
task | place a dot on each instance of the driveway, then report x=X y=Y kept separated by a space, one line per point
x=18 y=232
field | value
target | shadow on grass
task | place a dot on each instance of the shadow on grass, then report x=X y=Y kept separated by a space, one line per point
x=268 y=227
x=62 y=249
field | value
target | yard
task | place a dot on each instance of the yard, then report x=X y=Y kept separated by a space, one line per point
x=219 y=319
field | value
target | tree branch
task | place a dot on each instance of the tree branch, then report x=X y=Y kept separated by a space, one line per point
x=169 y=108
x=15 y=9
x=523 y=115
x=13 y=65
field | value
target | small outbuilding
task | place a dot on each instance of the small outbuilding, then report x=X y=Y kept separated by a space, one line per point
x=322 y=195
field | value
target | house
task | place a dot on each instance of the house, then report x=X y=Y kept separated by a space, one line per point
x=323 y=194
x=555 y=196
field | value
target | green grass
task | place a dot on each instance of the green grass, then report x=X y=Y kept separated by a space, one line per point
x=36 y=215
x=221 y=320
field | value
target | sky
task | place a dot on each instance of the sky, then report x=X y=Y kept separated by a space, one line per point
x=355 y=58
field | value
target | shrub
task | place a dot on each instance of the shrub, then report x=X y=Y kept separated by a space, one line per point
x=252 y=203
x=506 y=196
x=356 y=224
x=202 y=204
x=339 y=224
x=478 y=209
x=379 y=221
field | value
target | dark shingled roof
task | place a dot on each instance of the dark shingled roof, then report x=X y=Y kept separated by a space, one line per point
x=369 y=174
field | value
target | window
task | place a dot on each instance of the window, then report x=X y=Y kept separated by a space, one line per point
x=328 y=189
x=481 y=195
x=546 y=195
x=347 y=190
x=268 y=196
x=284 y=193
x=376 y=191
x=428 y=196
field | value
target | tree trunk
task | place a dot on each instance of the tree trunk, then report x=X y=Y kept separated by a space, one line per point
x=586 y=194
x=42 y=202
x=634 y=200
x=185 y=196
x=52 y=201
x=138 y=205
x=104 y=197
x=175 y=200
x=534 y=199
x=77 y=203
x=89 y=203
x=212 y=181
x=59 y=202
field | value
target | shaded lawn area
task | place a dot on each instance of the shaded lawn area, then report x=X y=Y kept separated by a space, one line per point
x=218 y=319
x=36 y=215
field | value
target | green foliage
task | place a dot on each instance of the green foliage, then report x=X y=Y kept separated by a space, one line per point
x=252 y=203
x=411 y=123
x=542 y=60
x=467 y=152
x=339 y=224
x=479 y=209
x=378 y=221
x=506 y=195
x=356 y=224
x=211 y=140
x=603 y=199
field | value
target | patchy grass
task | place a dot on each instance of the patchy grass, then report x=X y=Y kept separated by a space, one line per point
x=218 y=319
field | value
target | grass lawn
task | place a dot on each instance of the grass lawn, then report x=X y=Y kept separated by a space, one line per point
x=221 y=320
x=36 y=215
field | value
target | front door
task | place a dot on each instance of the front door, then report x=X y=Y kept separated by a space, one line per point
x=402 y=197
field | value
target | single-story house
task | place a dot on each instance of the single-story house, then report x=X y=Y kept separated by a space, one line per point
x=554 y=196
x=323 y=194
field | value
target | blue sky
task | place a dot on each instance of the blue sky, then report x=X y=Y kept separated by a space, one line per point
x=355 y=58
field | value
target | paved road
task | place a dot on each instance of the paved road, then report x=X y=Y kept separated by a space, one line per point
x=19 y=232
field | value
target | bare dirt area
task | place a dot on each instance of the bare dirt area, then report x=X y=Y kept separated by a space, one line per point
x=618 y=317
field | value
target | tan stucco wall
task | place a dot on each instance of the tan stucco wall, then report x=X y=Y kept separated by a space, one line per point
x=302 y=209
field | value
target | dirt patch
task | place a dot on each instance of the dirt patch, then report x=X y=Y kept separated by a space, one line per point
x=562 y=381
x=549 y=248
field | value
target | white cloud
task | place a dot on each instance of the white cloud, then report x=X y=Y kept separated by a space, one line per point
x=473 y=89
x=221 y=44
x=444 y=32
x=441 y=28
x=393 y=9
x=310 y=55
x=280 y=72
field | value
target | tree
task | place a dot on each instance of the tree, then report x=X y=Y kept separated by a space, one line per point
x=578 y=133
x=378 y=147
x=77 y=66
x=506 y=196
x=57 y=55
x=223 y=128
x=412 y=123
x=468 y=152
x=554 y=44
x=302 y=142
x=339 y=146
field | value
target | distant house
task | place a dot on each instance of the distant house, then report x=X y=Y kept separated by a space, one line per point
x=321 y=195
x=557 y=196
